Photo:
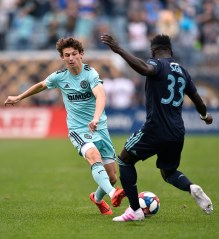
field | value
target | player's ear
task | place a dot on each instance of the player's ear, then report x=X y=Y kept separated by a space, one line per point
x=82 y=54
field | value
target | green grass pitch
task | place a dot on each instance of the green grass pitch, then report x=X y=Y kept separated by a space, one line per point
x=45 y=187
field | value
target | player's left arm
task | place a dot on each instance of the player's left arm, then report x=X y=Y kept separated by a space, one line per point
x=134 y=62
x=201 y=108
x=100 y=95
x=11 y=100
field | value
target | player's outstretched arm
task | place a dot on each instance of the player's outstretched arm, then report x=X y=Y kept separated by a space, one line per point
x=201 y=108
x=11 y=100
x=135 y=63
x=100 y=95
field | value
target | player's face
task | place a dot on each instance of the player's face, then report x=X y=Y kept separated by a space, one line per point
x=72 y=58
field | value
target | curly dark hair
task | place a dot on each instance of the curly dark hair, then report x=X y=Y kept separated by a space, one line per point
x=68 y=42
x=161 y=42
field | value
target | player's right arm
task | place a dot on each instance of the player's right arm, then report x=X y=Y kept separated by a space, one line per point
x=201 y=108
x=11 y=100
x=134 y=62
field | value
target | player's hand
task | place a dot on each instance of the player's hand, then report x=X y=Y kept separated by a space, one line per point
x=11 y=100
x=108 y=40
x=208 y=119
x=93 y=125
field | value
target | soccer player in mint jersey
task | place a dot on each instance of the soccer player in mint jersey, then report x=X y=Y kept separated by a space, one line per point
x=163 y=132
x=84 y=99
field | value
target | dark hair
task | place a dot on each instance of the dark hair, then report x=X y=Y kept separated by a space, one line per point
x=161 y=42
x=68 y=42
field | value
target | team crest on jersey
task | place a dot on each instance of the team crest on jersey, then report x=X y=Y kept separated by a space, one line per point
x=84 y=84
x=87 y=136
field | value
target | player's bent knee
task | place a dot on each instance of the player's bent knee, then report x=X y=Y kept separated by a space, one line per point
x=86 y=147
x=166 y=173
x=126 y=158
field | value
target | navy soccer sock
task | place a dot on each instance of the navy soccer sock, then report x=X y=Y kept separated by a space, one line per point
x=128 y=177
x=179 y=180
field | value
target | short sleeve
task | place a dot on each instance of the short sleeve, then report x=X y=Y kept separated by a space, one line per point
x=51 y=81
x=94 y=78
x=155 y=63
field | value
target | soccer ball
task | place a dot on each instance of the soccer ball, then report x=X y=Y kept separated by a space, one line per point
x=149 y=203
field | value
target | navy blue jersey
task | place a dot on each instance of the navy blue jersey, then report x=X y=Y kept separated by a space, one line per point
x=164 y=98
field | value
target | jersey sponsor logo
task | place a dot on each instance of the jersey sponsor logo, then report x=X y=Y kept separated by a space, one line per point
x=87 y=136
x=79 y=97
x=84 y=84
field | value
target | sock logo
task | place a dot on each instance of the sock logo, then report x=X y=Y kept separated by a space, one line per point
x=181 y=175
x=101 y=171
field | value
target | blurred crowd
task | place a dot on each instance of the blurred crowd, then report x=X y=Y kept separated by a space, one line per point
x=192 y=24
x=37 y=24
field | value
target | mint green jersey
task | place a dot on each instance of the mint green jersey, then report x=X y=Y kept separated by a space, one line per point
x=78 y=98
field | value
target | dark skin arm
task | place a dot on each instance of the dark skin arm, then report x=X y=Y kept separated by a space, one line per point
x=135 y=63
x=201 y=107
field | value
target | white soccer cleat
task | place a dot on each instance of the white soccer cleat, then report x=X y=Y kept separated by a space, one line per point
x=201 y=198
x=130 y=215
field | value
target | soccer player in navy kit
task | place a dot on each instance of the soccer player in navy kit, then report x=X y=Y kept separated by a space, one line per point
x=163 y=132
x=84 y=99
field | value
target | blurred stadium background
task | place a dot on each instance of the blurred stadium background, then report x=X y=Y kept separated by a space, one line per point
x=30 y=29
x=45 y=189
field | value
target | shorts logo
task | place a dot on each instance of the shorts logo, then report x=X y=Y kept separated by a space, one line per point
x=87 y=136
x=84 y=84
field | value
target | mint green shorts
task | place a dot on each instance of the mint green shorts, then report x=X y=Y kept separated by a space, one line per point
x=101 y=139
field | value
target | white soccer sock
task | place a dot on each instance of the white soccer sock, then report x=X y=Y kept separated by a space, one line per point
x=112 y=193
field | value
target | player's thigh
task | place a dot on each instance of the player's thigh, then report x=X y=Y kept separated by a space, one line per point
x=105 y=147
x=92 y=155
x=85 y=146
x=138 y=146
x=169 y=154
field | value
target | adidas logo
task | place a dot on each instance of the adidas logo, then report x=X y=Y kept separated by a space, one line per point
x=66 y=86
x=134 y=152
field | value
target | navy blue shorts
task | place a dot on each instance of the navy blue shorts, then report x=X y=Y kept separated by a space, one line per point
x=141 y=146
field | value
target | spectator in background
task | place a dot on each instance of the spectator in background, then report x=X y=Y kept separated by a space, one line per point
x=100 y=27
x=137 y=34
x=86 y=17
x=22 y=30
x=118 y=18
x=187 y=38
x=152 y=9
x=41 y=7
x=8 y=7
x=4 y=24
x=205 y=19
x=123 y=92
x=54 y=22
x=71 y=14
x=167 y=23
